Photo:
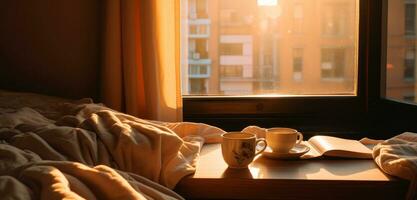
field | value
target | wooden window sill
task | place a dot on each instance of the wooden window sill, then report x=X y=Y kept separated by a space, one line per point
x=296 y=179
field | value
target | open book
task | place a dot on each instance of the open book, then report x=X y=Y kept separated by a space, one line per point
x=336 y=147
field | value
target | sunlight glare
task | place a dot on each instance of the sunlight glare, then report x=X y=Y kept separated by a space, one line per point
x=267 y=2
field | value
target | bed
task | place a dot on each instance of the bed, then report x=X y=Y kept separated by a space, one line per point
x=55 y=148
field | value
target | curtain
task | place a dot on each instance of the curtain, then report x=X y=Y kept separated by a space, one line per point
x=140 y=58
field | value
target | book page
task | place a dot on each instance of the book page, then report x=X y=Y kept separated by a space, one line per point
x=312 y=153
x=333 y=146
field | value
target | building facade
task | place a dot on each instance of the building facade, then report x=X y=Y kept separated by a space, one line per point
x=288 y=47
x=401 y=50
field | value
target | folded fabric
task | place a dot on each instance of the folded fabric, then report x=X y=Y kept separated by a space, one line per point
x=398 y=157
x=258 y=131
x=210 y=134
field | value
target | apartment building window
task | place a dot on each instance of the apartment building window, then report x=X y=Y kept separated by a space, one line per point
x=231 y=49
x=409 y=65
x=198 y=29
x=257 y=65
x=231 y=71
x=410 y=16
x=199 y=71
x=297 y=64
x=198 y=86
x=332 y=63
x=197 y=49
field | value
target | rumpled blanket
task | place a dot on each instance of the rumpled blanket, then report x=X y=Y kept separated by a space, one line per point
x=398 y=157
x=81 y=150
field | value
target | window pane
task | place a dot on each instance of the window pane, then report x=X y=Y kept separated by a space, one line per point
x=333 y=63
x=269 y=47
x=410 y=15
x=297 y=64
x=401 y=51
x=231 y=71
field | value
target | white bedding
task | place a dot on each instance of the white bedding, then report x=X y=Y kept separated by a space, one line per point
x=54 y=149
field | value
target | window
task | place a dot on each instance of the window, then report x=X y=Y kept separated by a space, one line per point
x=258 y=68
x=409 y=18
x=198 y=86
x=197 y=49
x=231 y=71
x=199 y=71
x=257 y=40
x=198 y=29
x=409 y=65
x=231 y=49
x=332 y=63
x=297 y=64
x=401 y=54
x=394 y=105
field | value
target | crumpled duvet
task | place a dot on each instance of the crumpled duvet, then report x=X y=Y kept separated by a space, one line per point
x=397 y=156
x=88 y=151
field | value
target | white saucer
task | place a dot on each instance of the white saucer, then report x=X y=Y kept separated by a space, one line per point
x=297 y=151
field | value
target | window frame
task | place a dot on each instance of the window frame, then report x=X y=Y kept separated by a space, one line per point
x=351 y=116
x=387 y=117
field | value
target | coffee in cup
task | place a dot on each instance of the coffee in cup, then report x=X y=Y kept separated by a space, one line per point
x=239 y=149
x=282 y=140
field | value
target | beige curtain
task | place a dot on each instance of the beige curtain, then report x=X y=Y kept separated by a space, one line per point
x=140 y=58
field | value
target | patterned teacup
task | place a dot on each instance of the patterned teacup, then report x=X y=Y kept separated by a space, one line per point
x=239 y=148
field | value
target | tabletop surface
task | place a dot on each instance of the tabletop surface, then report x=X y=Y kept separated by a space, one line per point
x=211 y=165
x=362 y=176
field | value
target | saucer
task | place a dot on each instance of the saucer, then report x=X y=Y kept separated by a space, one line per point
x=297 y=151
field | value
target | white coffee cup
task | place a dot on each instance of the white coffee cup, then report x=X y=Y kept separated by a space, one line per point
x=239 y=149
x=282 y=140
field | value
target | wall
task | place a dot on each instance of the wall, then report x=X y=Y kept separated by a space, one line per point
x=50 y=47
